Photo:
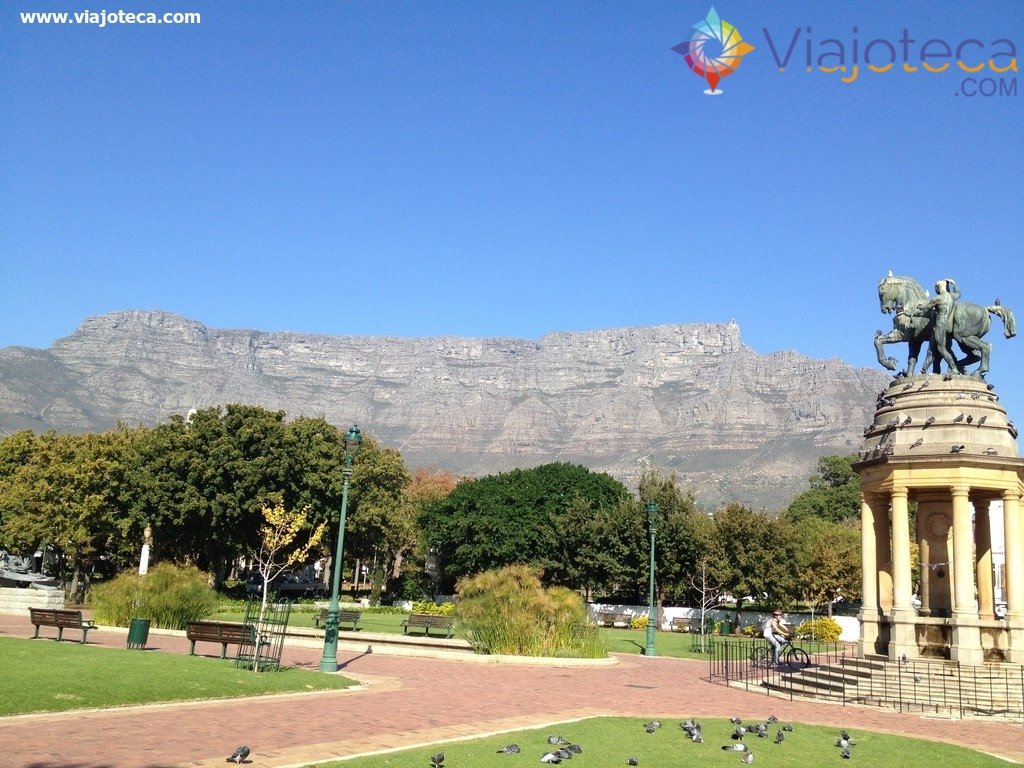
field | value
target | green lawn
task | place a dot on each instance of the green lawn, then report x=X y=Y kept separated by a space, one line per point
x=46 y=676
x=672 y=644
x=610 y=742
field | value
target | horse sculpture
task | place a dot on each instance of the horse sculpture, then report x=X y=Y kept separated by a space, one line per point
x=913 y=323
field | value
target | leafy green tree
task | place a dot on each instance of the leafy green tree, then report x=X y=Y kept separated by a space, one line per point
x=67 y=495
x=518 y=517
x=834 y=493
x=828 y=561
x=202 y=482
x=758 y=555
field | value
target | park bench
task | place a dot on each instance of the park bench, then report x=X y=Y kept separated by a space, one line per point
x=223 y=632
x=683 y=624
x=427 y=622
x=61 y=619
x=608 y=619
x=351 y=617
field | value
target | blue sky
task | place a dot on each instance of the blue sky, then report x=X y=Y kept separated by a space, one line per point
x=504 y=169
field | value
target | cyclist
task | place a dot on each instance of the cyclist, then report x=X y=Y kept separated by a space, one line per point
x=776 y=632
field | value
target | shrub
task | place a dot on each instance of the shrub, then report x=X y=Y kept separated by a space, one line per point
x=752 y=630
x=432 y=608
x=825 y=630
x=169 y=596
x=508 y=611
x=638 y=622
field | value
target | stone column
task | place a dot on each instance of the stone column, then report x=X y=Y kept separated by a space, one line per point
x=869 y=611
x=963 y=555
x=983 y=553
x=966 y=646
x=903 y=637
x=925 y=567
x=901 y=582
x=1014 y=546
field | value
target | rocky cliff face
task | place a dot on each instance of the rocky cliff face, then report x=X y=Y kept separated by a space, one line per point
x=692 y=398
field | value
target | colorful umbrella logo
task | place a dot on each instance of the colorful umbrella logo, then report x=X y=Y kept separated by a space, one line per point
x=715 y=50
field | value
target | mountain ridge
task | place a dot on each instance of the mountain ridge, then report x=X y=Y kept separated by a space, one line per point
x=690 y=398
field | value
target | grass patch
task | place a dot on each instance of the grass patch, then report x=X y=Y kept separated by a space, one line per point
x=609 y=742
x=47 y=676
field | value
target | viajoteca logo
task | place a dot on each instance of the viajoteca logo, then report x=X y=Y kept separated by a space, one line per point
x=715 y=50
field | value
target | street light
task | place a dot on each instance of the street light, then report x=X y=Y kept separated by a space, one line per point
x=652 y=617
x=329 y=662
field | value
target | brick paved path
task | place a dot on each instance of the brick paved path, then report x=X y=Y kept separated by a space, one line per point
x=410 y=701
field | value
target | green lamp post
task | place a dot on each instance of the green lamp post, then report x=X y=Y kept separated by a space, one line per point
x=652 y=616
x=329 y=662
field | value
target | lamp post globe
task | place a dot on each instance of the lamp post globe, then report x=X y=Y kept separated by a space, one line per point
x=652 y=616
x=329 y=662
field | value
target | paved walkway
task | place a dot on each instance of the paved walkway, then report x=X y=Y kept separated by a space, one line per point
x=409 y=701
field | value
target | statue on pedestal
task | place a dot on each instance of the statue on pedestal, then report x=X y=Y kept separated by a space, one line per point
x=939 y=321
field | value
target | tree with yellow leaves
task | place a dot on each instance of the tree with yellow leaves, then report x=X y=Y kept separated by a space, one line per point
x=283 y=543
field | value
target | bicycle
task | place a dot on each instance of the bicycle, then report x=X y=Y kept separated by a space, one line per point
x=789 y=654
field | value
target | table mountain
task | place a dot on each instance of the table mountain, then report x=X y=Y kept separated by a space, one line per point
x=691 y=398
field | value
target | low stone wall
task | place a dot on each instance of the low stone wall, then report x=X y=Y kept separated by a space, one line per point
x=18 y=601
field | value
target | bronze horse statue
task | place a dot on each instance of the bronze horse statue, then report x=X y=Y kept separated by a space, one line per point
x=913 y=323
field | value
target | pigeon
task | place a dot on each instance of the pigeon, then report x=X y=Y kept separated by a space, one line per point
x=564 y=754
x=511 y=749
x=958 y=418
x=956 y=449
x=556 y=740
x=747 y=758
x=651 y=727
x=845 y=754
x=929 y=421
x=632 y=761
x=970 y=419
x=737 y=732
x=696 y=738
x=437 y=760
x=903 y=660
x=780 y=737
x=788 y=727
x=843 y=734
x=982 y=420
x=738 y=747
x=772 y=720
x=576 y=749
x=907 y=421
x=239 y=755
x=550 y=757
x=841 y=742
x=735 y=720
x=990 y=451
x=919 y=441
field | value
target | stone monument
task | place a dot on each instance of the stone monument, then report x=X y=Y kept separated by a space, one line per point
x=942 y=440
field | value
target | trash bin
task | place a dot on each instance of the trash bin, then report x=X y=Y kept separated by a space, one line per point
x=726 y=628
x=138 y=634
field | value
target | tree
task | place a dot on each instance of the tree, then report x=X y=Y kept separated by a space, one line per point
x=67 y=494
x=834 y=494
x=828 y=561
x=378 y=529
x=516 y=517
x=757 y=555
x=286 y=538
x=202 y=482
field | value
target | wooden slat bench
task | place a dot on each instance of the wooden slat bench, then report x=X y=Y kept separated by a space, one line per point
x=223 y=632
x=608 y=619
x=61 y=619
x=427 y=622
x=683 y=624
x=349 y=617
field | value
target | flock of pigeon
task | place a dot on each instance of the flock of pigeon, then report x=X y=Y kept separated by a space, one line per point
x=562 y=749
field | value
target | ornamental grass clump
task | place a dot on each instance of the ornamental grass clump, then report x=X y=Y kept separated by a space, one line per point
x=508 y=611
x=169 y=596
